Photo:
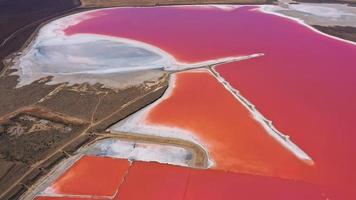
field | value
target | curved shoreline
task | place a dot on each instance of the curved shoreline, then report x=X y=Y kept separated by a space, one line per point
x=263 y=8
x=291 y=19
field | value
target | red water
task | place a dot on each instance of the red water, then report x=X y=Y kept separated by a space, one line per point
x=237 y=142
x=154 y=181
x=314 y=106
x=91 y=175
x=304 y=83
x=212 y=185
x=188 y=34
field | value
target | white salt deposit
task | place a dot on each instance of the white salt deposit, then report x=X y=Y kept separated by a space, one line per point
x=141 y=151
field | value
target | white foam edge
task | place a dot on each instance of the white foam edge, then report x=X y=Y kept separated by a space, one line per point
x=167 y=61
x=136 y=124
x=63 y=23
x=265 y=123
x=49 y=193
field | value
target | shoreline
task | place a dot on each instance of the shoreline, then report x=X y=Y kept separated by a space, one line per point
x=34 y=34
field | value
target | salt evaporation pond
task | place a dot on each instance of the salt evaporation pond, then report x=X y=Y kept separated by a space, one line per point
x=97 y=176
x=304 y=83
x=199 y=104
x=140 y=151
x=155 y=181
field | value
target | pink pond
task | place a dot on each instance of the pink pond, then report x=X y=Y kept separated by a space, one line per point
x=305 y=82
x=235 y=140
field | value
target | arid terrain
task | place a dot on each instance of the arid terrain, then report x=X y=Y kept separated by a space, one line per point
x=345 y=32
x=41 y=124
x=350 y=2
x=19 y=19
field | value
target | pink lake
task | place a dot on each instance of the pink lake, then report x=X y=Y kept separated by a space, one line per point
x=305 y=82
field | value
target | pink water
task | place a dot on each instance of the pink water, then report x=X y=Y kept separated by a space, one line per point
x=235 y=140
x=305 y=82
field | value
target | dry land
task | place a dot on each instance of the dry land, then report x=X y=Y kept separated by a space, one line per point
x=349 y=2
x=20 y=18
x=345 y=32
x=41 y=124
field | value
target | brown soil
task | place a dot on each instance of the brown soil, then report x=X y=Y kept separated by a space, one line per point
x=40 y=124
x=350 y=2
x=37 y=135
x=345 y=32
x=28 y=138
x=10 y=171
x=20 y=97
